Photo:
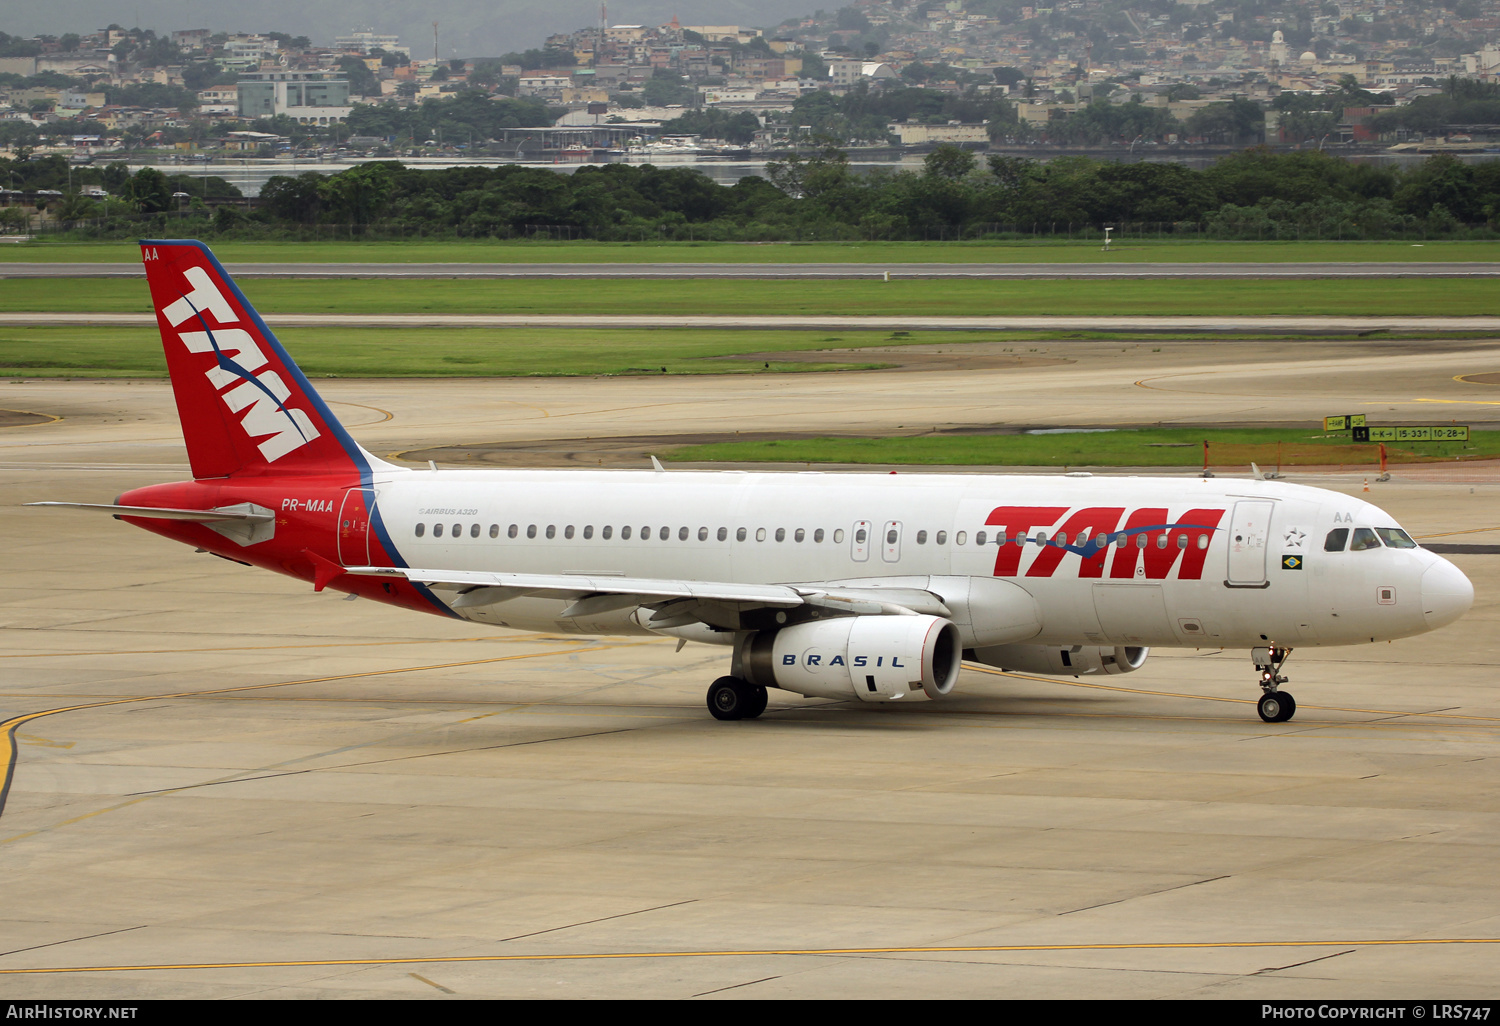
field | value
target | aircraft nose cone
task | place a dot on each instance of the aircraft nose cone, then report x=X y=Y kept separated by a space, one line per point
x=1446 y=594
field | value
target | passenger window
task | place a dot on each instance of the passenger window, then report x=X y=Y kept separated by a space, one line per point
x=473 y=530
x=702 y=533
x=838 y=536
x=531 y=530
x=568 y=531
x=781 y=534
x=625 y=533
x=760 y=534
x=608 y=530
x=437 y=530
x=1000 y=537
x=1140 y=541
x=1182 y=541
x=1203 y=541
x=1161 y=540
x=860 y=536
x=421 y=530
x=511 y=533
x=739 y=535
x=1041 y=538
x=494 y=530
x=1336 y=540
x=979 y=537
x=1364 y=539
x=588 y=531
x=801 y=534
x=551 y=532
x=961 y=538
x=921 y=537
x=942 y=538
x=458 y=530
x=1395 y=538
x=665 y=533
x=818 y=535
x=723 y=534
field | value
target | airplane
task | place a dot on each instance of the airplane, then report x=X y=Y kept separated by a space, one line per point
x=866 y=587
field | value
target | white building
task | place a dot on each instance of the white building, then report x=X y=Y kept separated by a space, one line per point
x=364 y=42
x=917 y=135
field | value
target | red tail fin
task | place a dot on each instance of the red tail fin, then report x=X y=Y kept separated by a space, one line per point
x=244 y=405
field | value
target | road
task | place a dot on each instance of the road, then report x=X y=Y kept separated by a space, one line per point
x=997 y=271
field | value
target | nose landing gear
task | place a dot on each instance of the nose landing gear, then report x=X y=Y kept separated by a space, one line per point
x=1274 y=706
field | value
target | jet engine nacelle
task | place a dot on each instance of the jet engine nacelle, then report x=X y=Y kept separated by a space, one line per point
x=872 y=658
x=1074 y=661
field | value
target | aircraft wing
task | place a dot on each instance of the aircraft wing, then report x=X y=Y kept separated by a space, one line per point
x=717 y=603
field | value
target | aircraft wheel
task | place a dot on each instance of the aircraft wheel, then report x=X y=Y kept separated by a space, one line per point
x=730 y=698
x=1276 y=706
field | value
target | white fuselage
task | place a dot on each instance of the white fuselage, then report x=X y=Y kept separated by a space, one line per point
x=1233 y=563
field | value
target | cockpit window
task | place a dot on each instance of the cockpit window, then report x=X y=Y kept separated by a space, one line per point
x=1395 y=538
x=1336 y=540
x=1364 y=538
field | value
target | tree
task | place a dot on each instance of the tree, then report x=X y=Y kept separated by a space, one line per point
x=150 y=191
x=1239 y=120
x=949 y=162
x=362 y=81
x=810 y=177
x=297 y=199
x=359 y=195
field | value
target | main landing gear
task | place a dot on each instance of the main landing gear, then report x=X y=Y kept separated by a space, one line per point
x=1274 y=706
x=732 y=698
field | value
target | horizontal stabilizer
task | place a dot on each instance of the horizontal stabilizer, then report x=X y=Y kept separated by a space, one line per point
x=256 y=515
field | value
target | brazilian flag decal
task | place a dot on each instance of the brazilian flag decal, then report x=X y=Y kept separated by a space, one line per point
x=1291 y=561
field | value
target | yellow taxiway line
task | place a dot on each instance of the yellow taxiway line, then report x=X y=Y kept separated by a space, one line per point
x=762 y=953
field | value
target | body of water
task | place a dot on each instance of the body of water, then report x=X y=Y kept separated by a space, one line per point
x=249 y=174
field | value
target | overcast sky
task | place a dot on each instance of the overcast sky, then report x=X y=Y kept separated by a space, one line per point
x=467 y=28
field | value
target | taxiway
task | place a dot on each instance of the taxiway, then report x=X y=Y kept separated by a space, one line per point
x=226 y=785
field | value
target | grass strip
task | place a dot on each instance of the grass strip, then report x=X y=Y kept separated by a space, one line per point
x=1445 y=297
x=31 y=352
x=1125 y=447
x=1077 y=250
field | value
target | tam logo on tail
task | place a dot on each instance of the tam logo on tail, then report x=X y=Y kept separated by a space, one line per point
x=262 y=396
x=243 y=402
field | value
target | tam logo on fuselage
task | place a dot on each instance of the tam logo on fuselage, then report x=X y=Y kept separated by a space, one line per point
x=1147 y=543
x=261 y=396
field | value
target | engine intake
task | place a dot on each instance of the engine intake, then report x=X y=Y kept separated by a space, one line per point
x=1074 y=661
x=872 y=658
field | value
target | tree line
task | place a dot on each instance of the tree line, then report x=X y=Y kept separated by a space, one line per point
x=1256 y=193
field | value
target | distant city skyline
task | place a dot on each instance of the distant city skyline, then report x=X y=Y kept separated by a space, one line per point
x=467 y=28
